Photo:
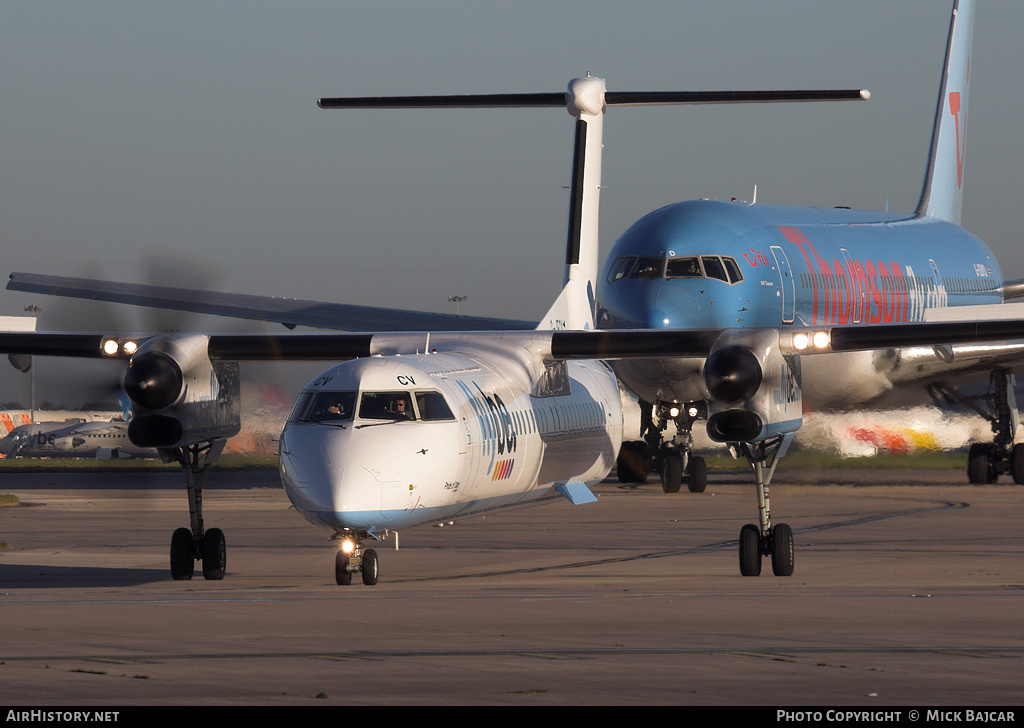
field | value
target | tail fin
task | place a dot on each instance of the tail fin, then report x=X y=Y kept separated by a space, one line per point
x=586 y=100
x=573 y=310
x=574 y=307
x=942 y=195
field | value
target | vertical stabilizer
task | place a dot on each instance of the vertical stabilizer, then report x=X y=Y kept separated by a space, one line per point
x=585 y=101
x=942 y=195
x=574 y=308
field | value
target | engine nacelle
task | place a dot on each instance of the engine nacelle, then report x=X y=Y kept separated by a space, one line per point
x=753 y=390
x=179 y=397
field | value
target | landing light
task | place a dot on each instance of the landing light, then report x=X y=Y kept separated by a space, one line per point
x=111 y=347
x=673 y=412
x=818 y=339
x=692 y=412
x=348 y=546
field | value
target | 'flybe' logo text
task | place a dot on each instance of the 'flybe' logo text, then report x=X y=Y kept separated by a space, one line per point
x=496 y=426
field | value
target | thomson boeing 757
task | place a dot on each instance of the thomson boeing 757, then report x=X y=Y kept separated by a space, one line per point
x=715 y=311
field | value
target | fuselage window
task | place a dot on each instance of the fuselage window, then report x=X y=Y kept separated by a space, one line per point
x=684 y=268
x=325 y=407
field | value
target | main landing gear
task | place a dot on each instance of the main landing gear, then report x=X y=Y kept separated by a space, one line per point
x=672 y=459
x=189 y=545
x=987 y=461
x=765 y=540
x=352 y=558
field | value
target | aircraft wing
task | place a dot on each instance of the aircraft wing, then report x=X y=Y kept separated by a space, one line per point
x=554 y=345
x=291 y=312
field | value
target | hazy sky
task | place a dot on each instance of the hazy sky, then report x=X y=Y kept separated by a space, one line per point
x=133 y=130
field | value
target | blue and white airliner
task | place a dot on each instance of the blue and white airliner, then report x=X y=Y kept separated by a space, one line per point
x=715 y=312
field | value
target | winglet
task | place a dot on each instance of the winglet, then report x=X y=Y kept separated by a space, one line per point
x=942 y=195
x=576 y=492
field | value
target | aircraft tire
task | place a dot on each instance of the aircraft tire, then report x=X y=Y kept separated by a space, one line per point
x=369 y=567
x=750 y=550
x=697 y=474
x=341 y=573
x=782 y=550
x=671 y=472
x=979 y=464
x=1017 y=463
x=183 y=562
x=215 y=555
x=629 y=466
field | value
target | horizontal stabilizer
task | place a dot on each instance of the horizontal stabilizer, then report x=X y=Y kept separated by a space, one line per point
x=611 y=98
x=671 y=98
x=576 y=492
x=988 y=311
x=1013 y=288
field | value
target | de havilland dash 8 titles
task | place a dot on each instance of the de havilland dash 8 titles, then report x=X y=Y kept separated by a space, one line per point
x=717 y=312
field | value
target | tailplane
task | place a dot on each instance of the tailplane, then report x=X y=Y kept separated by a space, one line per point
x=586 y=100
x=942 y=196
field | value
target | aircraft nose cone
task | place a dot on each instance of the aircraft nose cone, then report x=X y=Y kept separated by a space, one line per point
x=671 y=307
x=322 y=481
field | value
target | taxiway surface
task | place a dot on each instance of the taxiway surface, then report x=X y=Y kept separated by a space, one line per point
x=908 y=590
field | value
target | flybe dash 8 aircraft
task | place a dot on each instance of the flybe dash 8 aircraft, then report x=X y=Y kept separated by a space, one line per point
x=708 y=311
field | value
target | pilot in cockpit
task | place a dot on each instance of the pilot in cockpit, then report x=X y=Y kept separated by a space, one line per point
x=401 y=407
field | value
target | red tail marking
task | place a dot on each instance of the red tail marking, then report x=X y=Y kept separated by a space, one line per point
x=954 y=109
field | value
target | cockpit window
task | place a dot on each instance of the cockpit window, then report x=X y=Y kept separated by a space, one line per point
x=735 y=276
x=620 y=268
x=324 y=406
x=433 y=407
x=386 y=406
x=683 y=268
x=705 y=266
x=648 y=268
x=713 y=267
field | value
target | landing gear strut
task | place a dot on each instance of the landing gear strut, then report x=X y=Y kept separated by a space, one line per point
x=672 y=459
x=352 y=558
x=765 y=540
x=189 y=545
x=987 y=461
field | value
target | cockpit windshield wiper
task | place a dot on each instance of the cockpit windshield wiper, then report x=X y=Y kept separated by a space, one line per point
x=382 y=422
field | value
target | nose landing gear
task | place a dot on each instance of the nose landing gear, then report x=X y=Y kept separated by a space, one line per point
x=353 y=558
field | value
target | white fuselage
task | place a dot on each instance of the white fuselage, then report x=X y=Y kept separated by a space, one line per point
x=481 y=427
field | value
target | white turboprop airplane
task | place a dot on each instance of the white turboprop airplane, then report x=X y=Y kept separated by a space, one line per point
x=422 y=426
x=369 y=468
x=103 y=440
